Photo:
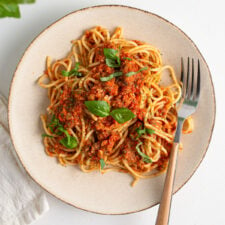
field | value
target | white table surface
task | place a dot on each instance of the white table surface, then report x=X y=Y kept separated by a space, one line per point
x=201 y=200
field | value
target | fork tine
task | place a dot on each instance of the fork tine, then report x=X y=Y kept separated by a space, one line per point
x=192 y=79
x=198 y=82
x=187 y=79
x=182 y=77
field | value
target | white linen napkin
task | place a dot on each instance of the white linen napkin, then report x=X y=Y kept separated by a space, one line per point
x=21 y=200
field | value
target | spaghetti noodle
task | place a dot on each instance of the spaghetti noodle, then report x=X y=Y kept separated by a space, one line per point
x=107 y=108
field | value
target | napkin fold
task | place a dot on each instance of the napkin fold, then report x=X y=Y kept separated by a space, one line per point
x=21 y=200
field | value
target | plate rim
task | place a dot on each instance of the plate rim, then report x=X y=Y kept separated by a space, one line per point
x=52 y=24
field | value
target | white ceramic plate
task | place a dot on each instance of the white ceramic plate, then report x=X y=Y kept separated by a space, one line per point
x=110 y=193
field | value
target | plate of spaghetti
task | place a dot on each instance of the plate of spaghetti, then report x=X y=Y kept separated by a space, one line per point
x=100 y=110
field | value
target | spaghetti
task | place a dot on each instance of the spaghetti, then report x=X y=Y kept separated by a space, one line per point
x=107 y=108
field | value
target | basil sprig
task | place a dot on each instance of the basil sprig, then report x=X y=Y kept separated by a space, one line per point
x=10 y=8
x=122 y=115
x=128 y=58
x=111 y=76
x=47 y=135
x=102 y=109
x=102 y=163
x=133 y=73
x=145 y=158
x=54 y=123
x=98 y=108
x=149 y=131
x=111 y=57
x=68 y=141
x=73 y=72
x=141 y=131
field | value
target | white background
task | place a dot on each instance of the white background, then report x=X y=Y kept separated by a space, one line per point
x=201 y=200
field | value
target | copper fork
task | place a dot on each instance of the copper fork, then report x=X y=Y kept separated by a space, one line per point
x=190 y=98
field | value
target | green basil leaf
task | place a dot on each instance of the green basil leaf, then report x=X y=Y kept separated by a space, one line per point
x=71 y=143
x=102 y=163
x=47 y=135
x=65 y=73
x=98 y=108
x=122 y=115
x=104 y=79
x=112 y=63
x=130 y=74
x=140 y=131
x=54 y=122
x=51 y=129
x=133 y=73
x=66 y=133
x=110 y=53
x=145 y=158
x=73 y=72
x=111 y=76
x=149 y=131
x=57 y=125
x=111 y=58
x=9 y=10
x=62 y=129
x=127 y=58
x=16 y=1
x=68 y=141
x=118 y=60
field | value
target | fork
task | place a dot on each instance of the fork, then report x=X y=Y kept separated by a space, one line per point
x=190 y=98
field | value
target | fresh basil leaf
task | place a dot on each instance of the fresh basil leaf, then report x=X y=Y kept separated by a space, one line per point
x=98 y=108
x=69 y=138
x=145 y=158
x=118 y=60
x=130 y=74
x=122 y=115
x=104 y=79
x=54 y=122
x=149 y=131
x=102 y=163
x=51 y=129
x=9 y=10
x=73 y=72
x=112 y=63
x=69 y=143
x=47 y=135
x=127 y=58
x=16 y=1
x=133 y=73
x=62 y=129
x=143 y=68
x=111 y=58
x=140 y=131
x=110 y=53
x=111 y=76
x=65 y=73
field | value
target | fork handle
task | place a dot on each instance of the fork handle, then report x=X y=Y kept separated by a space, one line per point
x=164 y=208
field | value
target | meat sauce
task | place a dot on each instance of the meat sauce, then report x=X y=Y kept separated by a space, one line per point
x=119 y=92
